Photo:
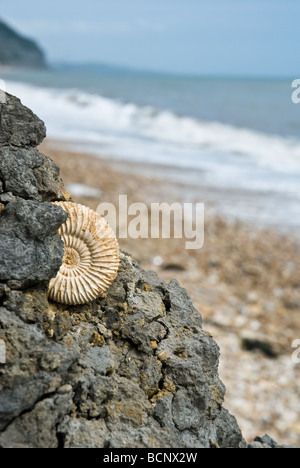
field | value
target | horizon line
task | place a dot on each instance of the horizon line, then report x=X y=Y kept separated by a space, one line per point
x=107 y=66
x=153 y=71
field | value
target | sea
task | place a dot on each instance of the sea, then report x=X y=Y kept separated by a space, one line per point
x=235 y=139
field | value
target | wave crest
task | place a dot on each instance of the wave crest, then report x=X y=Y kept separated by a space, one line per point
x=127 y=130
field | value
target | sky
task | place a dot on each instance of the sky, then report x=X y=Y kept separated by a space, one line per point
x=209 y=37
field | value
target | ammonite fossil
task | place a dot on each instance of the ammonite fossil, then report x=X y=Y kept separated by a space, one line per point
x=91 y=258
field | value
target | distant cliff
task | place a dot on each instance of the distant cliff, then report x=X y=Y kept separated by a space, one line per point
x=16 y=50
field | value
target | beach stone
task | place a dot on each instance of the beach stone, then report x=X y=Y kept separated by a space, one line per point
x=257 y=445
x=266 y=440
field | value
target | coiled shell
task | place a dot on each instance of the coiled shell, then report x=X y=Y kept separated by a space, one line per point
x=91 y=258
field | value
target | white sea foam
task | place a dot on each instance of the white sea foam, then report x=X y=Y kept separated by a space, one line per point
x=228 y=155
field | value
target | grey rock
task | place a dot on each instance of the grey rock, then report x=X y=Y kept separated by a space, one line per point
x=24 y=432
x=6 y=198
x=228 y=433
x=266 y=440
x=121 y=394
x=163 y=411
x=28 y=353
x=19 y=126
x=131 y=369
x=256 y=445
x=30 y=248
x=174 y=304
x=29 y=174
x=83 y=433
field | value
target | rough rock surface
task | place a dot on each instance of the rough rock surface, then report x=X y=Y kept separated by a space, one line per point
x=132 y=369
x=30 y=248
x=19 y=125
x=29 y=174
